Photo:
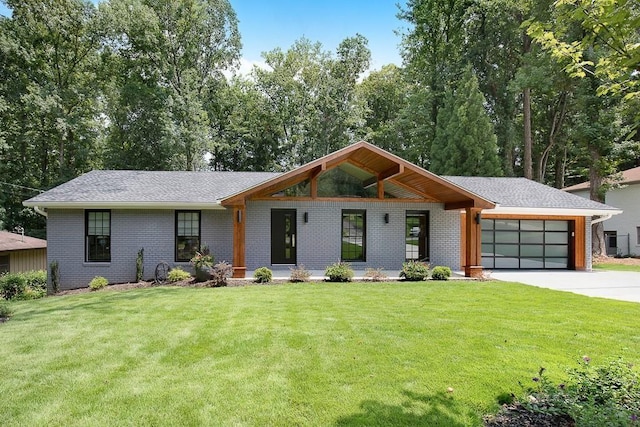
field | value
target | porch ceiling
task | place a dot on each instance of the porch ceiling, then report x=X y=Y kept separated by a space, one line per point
x=382 y=167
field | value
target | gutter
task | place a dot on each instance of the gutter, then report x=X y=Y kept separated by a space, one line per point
x=601 y=218
x=40 y=211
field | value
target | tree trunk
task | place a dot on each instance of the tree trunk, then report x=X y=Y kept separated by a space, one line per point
x=598 y=244
x=526 y=112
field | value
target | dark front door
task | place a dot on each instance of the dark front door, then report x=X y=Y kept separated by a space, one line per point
x=283 y=236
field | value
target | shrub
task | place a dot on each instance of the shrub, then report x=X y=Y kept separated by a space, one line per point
x=12 y=285
x=440 y=273
x=592 y=396
x=299 y=274
x=202 y=259
x=375 y=274
x=178 y=275
x=220 y=273
x=263 y=275
x=36 y=284
x=5 y=309
x=55 y=276
x=97 y=283
x=414 y=270
x=339 y=272
x=140 y=265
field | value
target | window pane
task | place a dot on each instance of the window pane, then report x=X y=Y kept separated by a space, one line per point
x=487 y=262
x=487 y=236
x=556 y=251
x=187 y=235
x=507 y=263
x=555 y=263
x=532 y=225
x=507 y=236
x=556 y=238
x=532 y=237
x=487 y=224
x=556 y=225
x=532 y=250
x=507 y=224
x=487 y=249
x=507 y=250
x=98 y=239
x=353 y=235
x=531 y=263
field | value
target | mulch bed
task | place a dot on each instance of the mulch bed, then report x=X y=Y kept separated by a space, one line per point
x=613 y=260
x=516 y=415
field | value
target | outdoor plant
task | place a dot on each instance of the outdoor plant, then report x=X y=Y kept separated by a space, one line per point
x=12 y=285
x=592 y=396
x=299 y=274
x=339 y=272
x=97 y=283
x=414 y=270
x=375 y=274
x=5 y=309
x=55 y=276
x=220 y=273
x=140 y=265
x=177 y=275
x=202 y=262
x=263 y=275
x=440 y=272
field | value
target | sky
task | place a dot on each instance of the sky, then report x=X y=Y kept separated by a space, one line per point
x=267 y=24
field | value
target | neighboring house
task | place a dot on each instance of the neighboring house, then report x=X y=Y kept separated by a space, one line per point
x=622 y=232
x=359 y=204
x=20 y=253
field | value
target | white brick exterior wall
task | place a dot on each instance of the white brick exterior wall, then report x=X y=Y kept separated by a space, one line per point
x=318 y=241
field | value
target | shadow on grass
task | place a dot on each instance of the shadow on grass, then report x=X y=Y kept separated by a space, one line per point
x=439 y=409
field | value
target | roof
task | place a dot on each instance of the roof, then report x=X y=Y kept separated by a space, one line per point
x=630 y=176
x=16 y=242
x=125 y=188
x=382 y=166
x=515 y=195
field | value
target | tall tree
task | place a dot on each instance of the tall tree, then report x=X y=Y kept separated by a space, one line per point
x=465 y=142
x=176 y=51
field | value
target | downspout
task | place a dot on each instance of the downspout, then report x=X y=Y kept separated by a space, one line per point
x=40 y=211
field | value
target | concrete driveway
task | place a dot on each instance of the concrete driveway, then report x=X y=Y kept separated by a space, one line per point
x=619 y=285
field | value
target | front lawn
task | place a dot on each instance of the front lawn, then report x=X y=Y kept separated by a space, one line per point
x=617 y=267
x=304 y=354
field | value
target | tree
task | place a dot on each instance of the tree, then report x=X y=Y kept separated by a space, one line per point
x=174 y=51
x=465 y=142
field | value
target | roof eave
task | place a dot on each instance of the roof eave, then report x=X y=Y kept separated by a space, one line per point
x=512 y=210
x=123 y=205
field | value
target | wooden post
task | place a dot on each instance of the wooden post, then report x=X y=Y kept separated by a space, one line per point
x=239 y=219
x=473 y=243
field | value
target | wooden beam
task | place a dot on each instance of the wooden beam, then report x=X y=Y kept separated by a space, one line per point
x=473 y=243
x=380 y=189
x=464 y=204
x=414 y=190
x=239 y=220
x=391 y=172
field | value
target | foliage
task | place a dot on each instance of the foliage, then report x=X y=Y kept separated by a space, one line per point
x=339 y=272
x=12 y=285
x=440 y=272
x=6 y=310
x=465 y=143
x=98 y=283
x=263 y=275
x=592 y=396
x=140 y=265
x=375 y=274
x=414 y=270
x=220 y=273
x=202 y=259
x=36 y=281
x=54 y=268
x=177 y=275
x=299 y=274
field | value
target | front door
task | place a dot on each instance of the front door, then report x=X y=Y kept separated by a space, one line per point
x=283 y=236
x=417 y=236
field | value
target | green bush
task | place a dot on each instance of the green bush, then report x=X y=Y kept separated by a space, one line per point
x=299 y=274
x=339 y=272
x=440 y=273
x=5 y=309
x=414 y=270
x=607 y=395
x=97 y=283
x=263 y=275
x=12 y=285
x=220 y=273
x=178 y=275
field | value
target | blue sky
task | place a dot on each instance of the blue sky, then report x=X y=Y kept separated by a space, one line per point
x=267 y=24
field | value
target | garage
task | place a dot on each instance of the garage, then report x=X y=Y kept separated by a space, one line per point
x=527 y=244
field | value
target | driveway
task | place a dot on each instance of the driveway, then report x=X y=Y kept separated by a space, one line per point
x=619 y=285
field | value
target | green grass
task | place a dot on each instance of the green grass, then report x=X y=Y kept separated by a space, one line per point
x=303 y=354
x=616 y=267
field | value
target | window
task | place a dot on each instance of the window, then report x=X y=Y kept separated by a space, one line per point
x=638 y=235
x=354 y=226
x=98 y=236
x=417 y=236
x=187 y=234
x=4 y=264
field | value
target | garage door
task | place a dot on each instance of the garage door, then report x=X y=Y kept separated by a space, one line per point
x=526 y=244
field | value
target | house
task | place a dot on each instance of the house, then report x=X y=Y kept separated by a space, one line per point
x=20 y=253
x=622 y=232
x=359 y=204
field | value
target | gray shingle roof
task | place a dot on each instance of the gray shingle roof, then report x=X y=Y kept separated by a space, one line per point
x=151 y=187
x=524 y=193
